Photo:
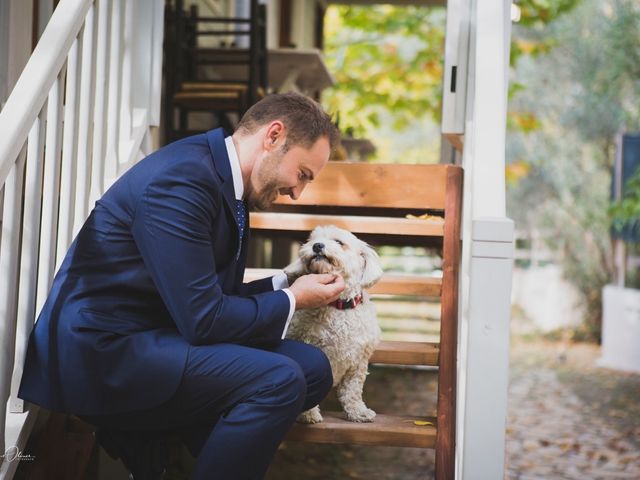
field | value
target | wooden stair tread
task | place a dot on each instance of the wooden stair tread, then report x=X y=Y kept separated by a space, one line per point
x=211 y=86
x=389 y=284
x=206 y=95
x=204 y=100
x=406 y=353
x=406 y=284
x=362 y=184
x=356 y=224
x=389 y=430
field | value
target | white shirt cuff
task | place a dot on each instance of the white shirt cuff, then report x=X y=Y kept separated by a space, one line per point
x=292 y=308
x=280 y=281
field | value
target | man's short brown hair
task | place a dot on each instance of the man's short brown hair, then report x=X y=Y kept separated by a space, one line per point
x=304 y=119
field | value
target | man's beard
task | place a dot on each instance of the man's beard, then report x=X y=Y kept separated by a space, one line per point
x=263 y=200
x=267 y=177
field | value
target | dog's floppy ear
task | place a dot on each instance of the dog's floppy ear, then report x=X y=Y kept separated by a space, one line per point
x=372 y=268
x=294 y=270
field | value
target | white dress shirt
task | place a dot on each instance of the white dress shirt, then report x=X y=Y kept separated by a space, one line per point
x=279 y=280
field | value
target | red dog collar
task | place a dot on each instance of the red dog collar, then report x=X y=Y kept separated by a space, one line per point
x=347 y=304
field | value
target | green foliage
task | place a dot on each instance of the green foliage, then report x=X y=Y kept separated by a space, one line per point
x=581 y=94
x=530 y=40
x=387 y=62
x=627 y=210
x=538 y=13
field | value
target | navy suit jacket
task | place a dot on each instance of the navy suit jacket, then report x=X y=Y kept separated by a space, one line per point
x=153 y=270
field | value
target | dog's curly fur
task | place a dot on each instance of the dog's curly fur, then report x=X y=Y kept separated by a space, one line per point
x=347 y=337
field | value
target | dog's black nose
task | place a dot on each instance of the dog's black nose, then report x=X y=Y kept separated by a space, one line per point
x=317 y=247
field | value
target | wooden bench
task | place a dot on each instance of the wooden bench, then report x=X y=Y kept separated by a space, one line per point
x=372 y=201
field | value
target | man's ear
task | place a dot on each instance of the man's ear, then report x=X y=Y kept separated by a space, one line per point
x=372 y=269
x=294 y=270
x=275 y=135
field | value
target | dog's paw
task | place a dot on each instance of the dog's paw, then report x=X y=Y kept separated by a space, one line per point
x=362 y=414
x=310 y=416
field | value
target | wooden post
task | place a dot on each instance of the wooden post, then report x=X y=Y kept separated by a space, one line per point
x=447 y=374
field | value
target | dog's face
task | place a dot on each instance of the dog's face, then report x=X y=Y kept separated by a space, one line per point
x=334 y=250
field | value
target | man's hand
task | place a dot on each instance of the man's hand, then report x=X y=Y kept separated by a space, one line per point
x=316 y=290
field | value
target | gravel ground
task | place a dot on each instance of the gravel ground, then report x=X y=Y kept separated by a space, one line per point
x=569 y=419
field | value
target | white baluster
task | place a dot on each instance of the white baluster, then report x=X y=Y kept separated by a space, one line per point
x=113 y=111
x=28 y=254
x=126 y=102
x=11 y=222
x=69 y=154
x=156 y=69
x=50 y=191
x=100 y=112
x=85 y=130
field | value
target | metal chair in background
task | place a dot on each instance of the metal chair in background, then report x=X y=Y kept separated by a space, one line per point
x=221 y=77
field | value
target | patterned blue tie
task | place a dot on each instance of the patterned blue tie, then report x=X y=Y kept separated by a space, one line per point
x=241 y=215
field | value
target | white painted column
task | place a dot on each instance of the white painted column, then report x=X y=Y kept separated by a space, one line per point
x=487 y=259
x=487 y=349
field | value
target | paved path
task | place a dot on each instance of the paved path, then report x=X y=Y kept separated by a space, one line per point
x=552 y=433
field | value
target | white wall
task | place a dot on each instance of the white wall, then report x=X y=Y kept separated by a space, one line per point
x=547 y=299
x=15 y=41
x=302 y=23
x=621 y=329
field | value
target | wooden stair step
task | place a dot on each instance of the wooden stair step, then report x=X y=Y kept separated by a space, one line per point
x=213 y=86
x=389 y=284
x=218 y=100
x=406 y=353
x=362 y=184
x=405 y=284
x=388 y=430
x=296 y=222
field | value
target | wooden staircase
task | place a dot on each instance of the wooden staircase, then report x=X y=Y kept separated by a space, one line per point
x=373 y=201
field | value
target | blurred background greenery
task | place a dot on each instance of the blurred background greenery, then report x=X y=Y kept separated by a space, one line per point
x=574 y=85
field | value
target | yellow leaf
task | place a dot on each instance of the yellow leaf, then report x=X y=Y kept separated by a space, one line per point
x=422 y=423
x=525 y=46
x=514 y=172
x=424 y=216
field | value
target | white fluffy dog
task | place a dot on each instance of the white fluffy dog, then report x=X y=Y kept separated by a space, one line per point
x=347 y=330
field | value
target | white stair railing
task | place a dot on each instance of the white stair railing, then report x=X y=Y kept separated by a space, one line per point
x=78 y=117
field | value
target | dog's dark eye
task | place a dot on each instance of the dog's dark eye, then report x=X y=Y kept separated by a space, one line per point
x=339 y=242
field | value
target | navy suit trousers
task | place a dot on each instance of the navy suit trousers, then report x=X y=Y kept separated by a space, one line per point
x=234 y=405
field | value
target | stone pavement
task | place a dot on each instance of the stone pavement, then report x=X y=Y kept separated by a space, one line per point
x=554 y=433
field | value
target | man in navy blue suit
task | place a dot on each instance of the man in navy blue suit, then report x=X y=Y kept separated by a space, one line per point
x=149 y=328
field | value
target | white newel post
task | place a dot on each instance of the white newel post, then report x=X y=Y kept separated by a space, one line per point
x=487 y=260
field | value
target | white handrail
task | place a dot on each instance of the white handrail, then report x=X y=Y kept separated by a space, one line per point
x=31 y=90
x=70 y=126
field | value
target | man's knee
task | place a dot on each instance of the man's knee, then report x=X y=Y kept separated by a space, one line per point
x=322 y=374
x=285 y=383
x=318 y=375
